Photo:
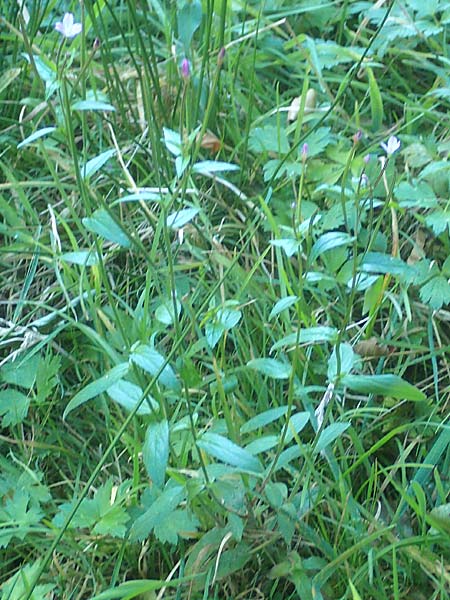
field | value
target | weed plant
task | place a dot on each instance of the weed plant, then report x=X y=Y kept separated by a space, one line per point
x=224 y=322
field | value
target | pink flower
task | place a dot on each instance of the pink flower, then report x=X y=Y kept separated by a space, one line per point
x=67 y=28
x=185 y=68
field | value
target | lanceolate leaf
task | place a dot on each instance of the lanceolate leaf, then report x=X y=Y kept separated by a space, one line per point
x=104 y=225
x=156 y=451
x=223 y=449
x=383 y=385
x=271 y=367
x=97 y=387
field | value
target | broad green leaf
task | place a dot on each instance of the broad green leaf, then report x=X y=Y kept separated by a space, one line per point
x=180 y=218
x=271 y=367
x=329 y=241
x=376 y=262
x=85 y=258
x=36 y=136
x=106 y=227
x=97 y=387
x=383 y=385
x=439 y=221
x=189 y=19
x=347 y=357
x=129 y=394
x=262 y=444
x=92 y=105
x=226 y=451
x=329 y=435
x=206 y=167
x=155 y=451
x=172 y=141
x=95 y=164
x=282 y=304
x=263 y=419
x=13 y=407
x=152 y=361
x=165 y=313
x=297 y=422
x=440 y=515
x=289 y=245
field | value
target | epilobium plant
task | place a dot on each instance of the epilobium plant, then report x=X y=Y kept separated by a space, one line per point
x=67 y=28
x=392 y=146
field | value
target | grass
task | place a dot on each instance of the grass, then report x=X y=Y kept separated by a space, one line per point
x=224 y=320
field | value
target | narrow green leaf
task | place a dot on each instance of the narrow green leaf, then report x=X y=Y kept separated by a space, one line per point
x=263 y=419
x=282 y=304
x=152 y=361
x=329 y=435
x=96 y=163
x=296 y=424
x=181 y=217
x=36 y=135
x=206 y=167
x=329 y=241
x=92 y=105
x=97 y=387
x=383 y=385
x=226 y=451
x=129 y=394
x=309 y=335
x=85 y=258
x=376 y=101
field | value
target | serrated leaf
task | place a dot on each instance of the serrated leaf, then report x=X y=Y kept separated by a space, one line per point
x=152 y=361
x=439 y=221
x=22 y=372
x=13 y=407
x=383 y=385
x=104 y=225
x=92 y=105
x=36 y=136
x=97 y=387
x=128 y=394
x=180 y=523
x=271 y=367
x=329 y=435
x=17 y=586
x=226 y=451
x=155 y=451
x=160 y=509
x=95 y=164
x=180 y=218
x=268 y=139
x=436 y=293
